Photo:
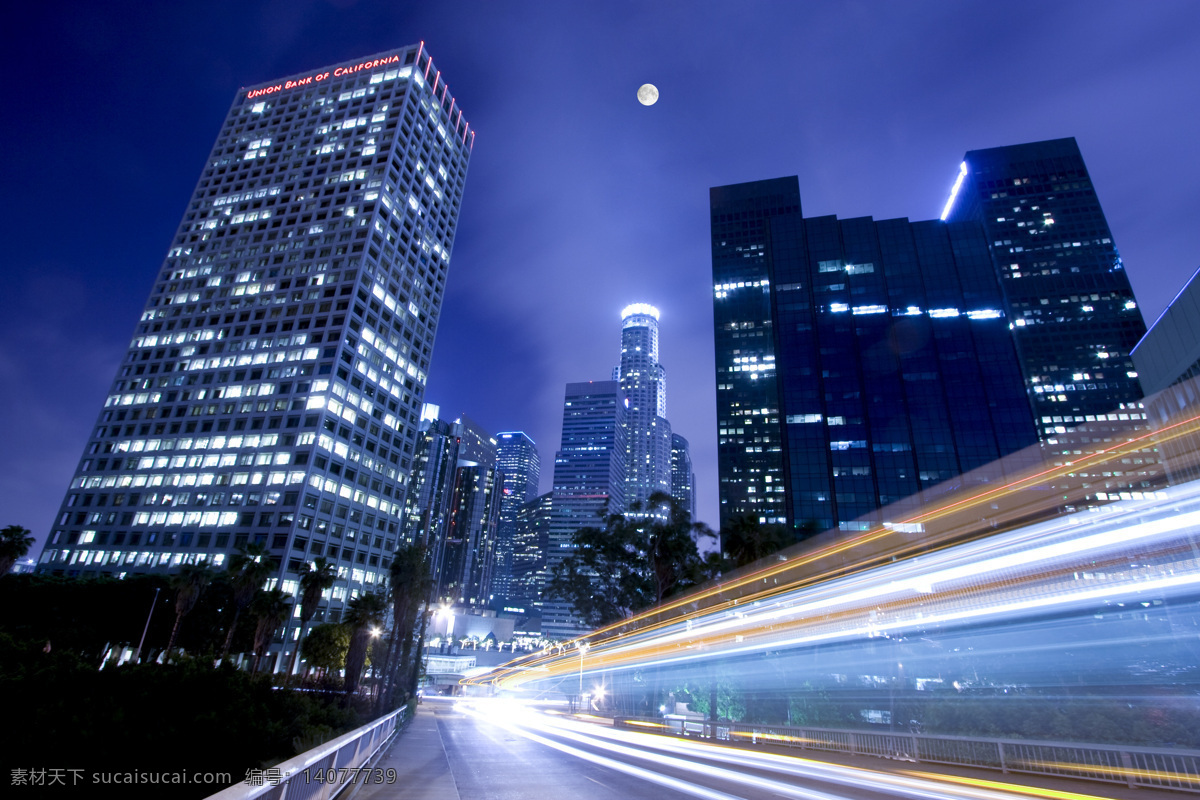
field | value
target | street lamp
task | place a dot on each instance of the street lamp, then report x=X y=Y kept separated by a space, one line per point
x=137 y=656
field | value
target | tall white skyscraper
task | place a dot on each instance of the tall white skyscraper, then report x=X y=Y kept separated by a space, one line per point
x=643 y=381
x=272 y=385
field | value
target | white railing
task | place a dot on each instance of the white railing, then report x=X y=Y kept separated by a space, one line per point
x=1132 y=766
x=308 y=776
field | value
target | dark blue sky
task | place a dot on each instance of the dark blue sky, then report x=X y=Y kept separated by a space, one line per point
x=578 y=200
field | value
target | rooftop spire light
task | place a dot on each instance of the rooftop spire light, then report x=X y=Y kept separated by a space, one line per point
x=639 y=308
x=962 y=173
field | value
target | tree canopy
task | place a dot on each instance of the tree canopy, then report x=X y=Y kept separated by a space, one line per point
x=326 y=645
x=634 y=561
x=745 y=540
x=15 y=542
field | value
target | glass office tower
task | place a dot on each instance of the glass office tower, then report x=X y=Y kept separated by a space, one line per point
x=858 y=361
x=469 y=561
x=683 y=478
x=589 y=481
x=517 y=456
x=647 y=431
x=272 y=385
x=1067 y=295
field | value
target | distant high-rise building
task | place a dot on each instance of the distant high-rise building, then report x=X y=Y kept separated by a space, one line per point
x=530 y=543
x=589 y=479
x=271 y=388
x=643 y=380
x=683 y=479
x=1067 y=295
x=517 y=457
x=469 y=558
x=858 y=361
x=427 y=506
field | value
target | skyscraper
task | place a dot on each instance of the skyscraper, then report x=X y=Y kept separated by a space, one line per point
x=271 y=389
x=683 y=479
x=858 y=361
x=589 y=478
x=1067 y=296
x=530 y=543
x=517 y=457
x=643 y=381
x=469 y=560
x=427 y=506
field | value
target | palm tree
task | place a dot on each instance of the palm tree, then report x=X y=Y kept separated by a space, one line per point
x=671 y=546
x=270 y=610
x=189 y=584
x=320 y=576
x=15 y=542
x=364 y=614
x=248 y=571
x=409 y=585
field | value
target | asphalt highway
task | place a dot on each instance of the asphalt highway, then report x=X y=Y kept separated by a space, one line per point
x=491 y=749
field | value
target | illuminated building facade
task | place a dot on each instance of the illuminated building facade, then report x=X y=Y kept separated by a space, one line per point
x=530 y=543
x=683 y=478
x=1073 y=315
x=643 y=381
x=427 y=506
x=454 y=507
x=272 y=386
x=589 y=478
x=519 y=463
x=858 y=361
x=472 y=524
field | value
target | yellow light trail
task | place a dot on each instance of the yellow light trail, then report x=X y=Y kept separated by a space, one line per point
x=746 y=589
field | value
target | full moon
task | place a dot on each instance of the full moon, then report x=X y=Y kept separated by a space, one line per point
x=648 y=94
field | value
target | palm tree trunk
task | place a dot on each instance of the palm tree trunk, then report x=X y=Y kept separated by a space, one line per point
x=174 y=632
x=296 y=651
x=416 y=668
x=385 y=678
x=237 y=612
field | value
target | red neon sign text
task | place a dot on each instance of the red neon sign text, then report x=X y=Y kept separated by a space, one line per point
x=320 y=76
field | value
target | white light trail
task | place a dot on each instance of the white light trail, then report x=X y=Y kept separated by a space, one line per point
x=698 y=757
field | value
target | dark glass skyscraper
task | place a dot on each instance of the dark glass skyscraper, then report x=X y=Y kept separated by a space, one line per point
x=530 y=543
x=1067 y=296
x=858 y=361
x=517 y=457
x=434 y=470
x=683 y=479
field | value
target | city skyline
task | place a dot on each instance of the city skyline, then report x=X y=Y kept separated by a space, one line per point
x=571 y=177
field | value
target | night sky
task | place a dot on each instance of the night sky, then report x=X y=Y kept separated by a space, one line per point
x=578 y=200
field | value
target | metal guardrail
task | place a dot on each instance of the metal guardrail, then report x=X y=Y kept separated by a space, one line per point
x=1133 y=766
x=303 y=777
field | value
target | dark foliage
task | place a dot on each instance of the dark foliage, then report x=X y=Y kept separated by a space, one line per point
x=184 y=716
x=632 y=563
